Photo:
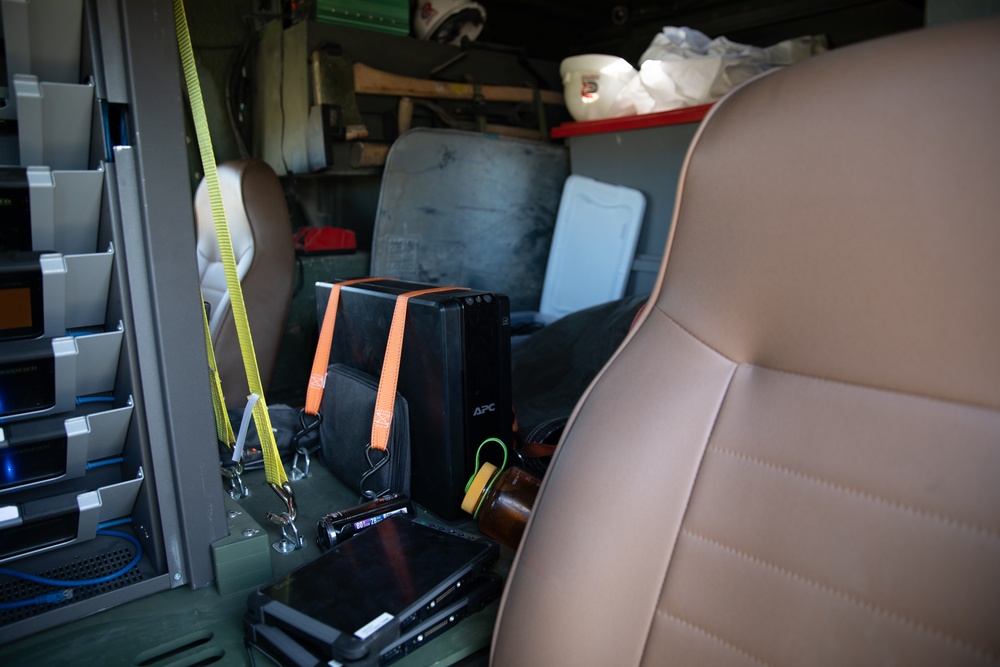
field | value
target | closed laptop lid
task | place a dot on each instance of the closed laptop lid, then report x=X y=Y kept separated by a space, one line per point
x=365 y=587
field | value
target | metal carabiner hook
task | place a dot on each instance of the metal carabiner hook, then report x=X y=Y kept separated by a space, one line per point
x=374 y=467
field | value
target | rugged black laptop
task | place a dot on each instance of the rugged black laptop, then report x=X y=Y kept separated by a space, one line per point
x=283 y=649
x=363 y=595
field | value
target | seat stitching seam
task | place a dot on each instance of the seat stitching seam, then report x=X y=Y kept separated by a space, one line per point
x=953 y=402
x=833 y=381
x=717 y=639
x=961 y=524
x=848 y=597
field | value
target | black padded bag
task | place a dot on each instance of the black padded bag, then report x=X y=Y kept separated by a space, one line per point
x=347 y=408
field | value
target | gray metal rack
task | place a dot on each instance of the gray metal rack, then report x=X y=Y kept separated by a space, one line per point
x=129 y=64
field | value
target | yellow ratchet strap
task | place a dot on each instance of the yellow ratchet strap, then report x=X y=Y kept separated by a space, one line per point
x=273 y=469
x=223 y=428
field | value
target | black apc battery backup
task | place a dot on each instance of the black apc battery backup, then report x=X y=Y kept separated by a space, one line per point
x=454 y=373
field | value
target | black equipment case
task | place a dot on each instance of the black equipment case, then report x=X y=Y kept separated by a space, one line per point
x=454 y=373
x=366 y=600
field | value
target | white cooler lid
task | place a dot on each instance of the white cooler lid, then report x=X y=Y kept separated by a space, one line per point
x=593 y=244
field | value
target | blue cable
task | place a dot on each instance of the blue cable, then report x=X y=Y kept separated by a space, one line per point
x=47 y=598
x=104 y=462
x=105 y=121
x=80 y=400
x=60 y=596
x=123 y=129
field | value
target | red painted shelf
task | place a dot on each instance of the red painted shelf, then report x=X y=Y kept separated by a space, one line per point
x=624 y=123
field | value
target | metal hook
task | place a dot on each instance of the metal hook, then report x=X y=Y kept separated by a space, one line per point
x=237 y=489
x=286 y=520
x=287 y=496
x=302 y=473
x=374 y=467
x=289 y=543
x=297 y=473
x=308 y=427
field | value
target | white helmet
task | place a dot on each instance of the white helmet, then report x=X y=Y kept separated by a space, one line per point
x=448 y=21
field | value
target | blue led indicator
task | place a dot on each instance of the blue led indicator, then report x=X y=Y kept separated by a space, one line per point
x=9 y=472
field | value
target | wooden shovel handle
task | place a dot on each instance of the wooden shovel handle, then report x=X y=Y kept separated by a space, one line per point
x=371 y=81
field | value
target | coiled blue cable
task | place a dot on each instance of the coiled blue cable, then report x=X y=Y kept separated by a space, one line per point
x=60 y=596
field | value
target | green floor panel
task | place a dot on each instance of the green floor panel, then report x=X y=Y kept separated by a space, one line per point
x=184 y=627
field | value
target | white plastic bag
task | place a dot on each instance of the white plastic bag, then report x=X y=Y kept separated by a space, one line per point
x=682 y=67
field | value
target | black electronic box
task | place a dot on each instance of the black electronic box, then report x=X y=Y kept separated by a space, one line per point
x=15 y=205
x=454 y=373
x=27 y=376
x=21 y=299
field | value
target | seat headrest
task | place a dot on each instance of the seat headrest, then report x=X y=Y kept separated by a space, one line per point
x=839 y=218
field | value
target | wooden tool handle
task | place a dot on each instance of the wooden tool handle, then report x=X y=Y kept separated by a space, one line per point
x=370 y=81
x=365 y=154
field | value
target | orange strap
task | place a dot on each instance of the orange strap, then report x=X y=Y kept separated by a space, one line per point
x=317 y=378
x=386 y=397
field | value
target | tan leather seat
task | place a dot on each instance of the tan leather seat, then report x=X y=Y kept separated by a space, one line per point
x=261 y=234
x=794 y=458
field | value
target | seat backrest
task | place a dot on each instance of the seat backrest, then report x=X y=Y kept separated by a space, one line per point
x=261 y=234
x=794 y=457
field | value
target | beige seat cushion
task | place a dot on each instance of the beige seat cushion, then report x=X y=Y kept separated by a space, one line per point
x=261 y=238
x=794 y=458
